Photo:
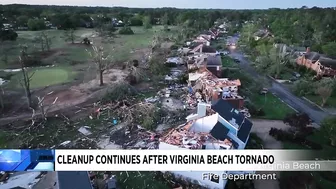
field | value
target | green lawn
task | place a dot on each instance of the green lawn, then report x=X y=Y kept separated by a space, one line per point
x=124 y=45
x=273 y=107
x=228 y=62
x=331 y=102
x=44 y=77
x=75 y=53
x=328 y=153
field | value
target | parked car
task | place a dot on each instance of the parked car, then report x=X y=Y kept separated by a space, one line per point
x=236 y=60
x=264 y=91
x=297 y=75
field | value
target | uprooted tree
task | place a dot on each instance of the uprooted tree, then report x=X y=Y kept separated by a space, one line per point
x=25 y=81
x=101 y=60
x=328 y=126
x=43 y=107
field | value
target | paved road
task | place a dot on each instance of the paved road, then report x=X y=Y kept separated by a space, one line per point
x=316 y=114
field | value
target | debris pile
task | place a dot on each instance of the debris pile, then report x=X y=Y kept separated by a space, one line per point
x=184 y=138
x=135 y=137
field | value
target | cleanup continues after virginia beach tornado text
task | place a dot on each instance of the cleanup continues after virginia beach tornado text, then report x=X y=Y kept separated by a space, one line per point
x=166 y=159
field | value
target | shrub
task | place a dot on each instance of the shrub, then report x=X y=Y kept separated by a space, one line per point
x=174 y=47
x=299 y=121
x=254 y=142
x=33 y=61
x=254 y=111
x=126 y=30
x=297 y=181
x=8 y=35
x=302 y=88
x=293 y=137
x=328 y=126
x=329 y=175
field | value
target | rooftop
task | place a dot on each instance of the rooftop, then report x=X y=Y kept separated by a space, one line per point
x=234 y=117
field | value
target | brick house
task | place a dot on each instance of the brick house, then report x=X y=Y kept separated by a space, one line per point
x=322 y=65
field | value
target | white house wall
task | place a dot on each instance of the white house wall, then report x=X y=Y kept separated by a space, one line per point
x=241 y=145
x=227 y=124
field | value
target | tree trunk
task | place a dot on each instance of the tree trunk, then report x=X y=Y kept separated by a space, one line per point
x=26 y=86
x=42 y=45
x=28 y=95
x=324 y=100
x=333 y=142
x=2 y=105
x=101 y=77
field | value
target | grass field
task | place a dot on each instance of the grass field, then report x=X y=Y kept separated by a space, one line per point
x=228 y=62
x=331 y=102
x=273 y=107
x=125 y=45
x=45 y=77
x=66 y=55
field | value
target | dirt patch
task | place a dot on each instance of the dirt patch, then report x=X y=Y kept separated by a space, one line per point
x=167 y=45
x=141 y=54
x=66 y=97
x=111 y=76
x=45 y=54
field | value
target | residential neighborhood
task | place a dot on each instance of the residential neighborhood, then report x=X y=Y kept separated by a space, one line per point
x=76 y=77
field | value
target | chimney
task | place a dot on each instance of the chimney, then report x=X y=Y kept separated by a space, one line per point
x=219 y=71
x=308 y=50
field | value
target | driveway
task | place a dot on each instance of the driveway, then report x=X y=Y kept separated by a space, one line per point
x=262 y=128
x=316 y=114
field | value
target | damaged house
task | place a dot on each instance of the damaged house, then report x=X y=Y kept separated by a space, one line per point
x=213 y=63
x=322 y=65
x=213 y=88
x=218 y=126
x=197 y=48
x=203 y=49
x=261 y=34
x=204 y=39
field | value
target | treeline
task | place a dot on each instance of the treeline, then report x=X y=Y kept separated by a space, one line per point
x=291 y=25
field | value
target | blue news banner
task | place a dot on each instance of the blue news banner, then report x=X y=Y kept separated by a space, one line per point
x=27 y=160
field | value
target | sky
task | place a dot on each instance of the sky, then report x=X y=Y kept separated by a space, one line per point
x=216 y=4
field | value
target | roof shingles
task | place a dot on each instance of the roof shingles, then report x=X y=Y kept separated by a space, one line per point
x=226 y=111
